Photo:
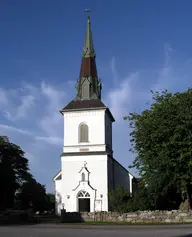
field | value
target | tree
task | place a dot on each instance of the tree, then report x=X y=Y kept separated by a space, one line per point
x=161 y=139
x=141 y=199
x=13 y=171
x=32 y=194
x=50 y=201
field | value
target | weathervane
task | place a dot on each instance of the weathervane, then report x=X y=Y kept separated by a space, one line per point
x=88 y=10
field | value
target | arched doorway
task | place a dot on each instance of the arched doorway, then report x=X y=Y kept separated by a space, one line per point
x=83 y=201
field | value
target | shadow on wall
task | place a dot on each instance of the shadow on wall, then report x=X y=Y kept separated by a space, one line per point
x=71 y=217
x=59 y=198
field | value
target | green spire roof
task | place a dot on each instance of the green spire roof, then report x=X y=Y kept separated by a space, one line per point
x=88 y=84
x=88 y=50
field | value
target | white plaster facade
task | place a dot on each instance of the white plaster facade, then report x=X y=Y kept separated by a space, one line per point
x=97 y=123
x=88 y=166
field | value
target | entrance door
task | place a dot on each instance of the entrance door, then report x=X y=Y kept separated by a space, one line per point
x=83 y=201
x=84 y=204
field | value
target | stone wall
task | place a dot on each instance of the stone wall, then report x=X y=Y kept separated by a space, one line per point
x=174 y=216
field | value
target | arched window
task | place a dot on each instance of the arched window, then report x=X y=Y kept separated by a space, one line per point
x=83 y=194
x=83 y=177
x=83 y=133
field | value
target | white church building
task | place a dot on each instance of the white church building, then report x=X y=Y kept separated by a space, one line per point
x=88 y=169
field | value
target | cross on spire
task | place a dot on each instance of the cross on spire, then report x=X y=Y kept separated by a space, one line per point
x=88 y=10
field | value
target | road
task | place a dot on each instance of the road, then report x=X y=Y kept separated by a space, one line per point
x=58 y=230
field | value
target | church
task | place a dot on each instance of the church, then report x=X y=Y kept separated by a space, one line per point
x=88 y=169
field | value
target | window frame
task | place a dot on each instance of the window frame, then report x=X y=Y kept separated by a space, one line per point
x=80 y=133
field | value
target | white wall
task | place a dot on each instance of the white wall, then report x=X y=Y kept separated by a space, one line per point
x=79 y=148
x=94 y=119
x=97 y=166
x=105 y=175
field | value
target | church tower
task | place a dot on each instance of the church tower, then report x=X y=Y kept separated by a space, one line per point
x=87 y=164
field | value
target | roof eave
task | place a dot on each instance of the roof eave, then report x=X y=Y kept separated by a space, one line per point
x=82 y=109
x=112 y=118
x=58 y=173
x=61 y=111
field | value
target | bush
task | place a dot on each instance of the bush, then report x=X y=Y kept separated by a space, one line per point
x=119 y=199
x=122 y=201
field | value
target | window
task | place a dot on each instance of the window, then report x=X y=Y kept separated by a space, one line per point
x=83 y=177
x=83 y=194
x=83 y=133
x=85 y=89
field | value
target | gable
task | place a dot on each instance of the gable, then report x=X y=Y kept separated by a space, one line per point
x=58 y=176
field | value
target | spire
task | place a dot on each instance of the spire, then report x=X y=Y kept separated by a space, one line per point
x=88 y=84
x=88 y=50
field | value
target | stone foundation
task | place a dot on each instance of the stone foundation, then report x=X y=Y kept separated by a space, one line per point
x=174 y=216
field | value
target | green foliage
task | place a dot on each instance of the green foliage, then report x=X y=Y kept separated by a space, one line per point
x=32 y=194
x=50 y=201
x=13 y=171
x=19 y=189
x=119 y=199
x=161 y=139
x=141 y=199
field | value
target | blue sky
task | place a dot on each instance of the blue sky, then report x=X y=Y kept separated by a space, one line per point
x=140 y=45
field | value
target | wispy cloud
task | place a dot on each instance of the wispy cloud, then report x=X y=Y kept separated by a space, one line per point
x=36 y=105
x=132 y=92
x=14 y=129
x=21 y=112
x=119 y=97
x=46 y=139
x=51 y=140
x=114 y=71
x=50 y=122
x=3 y=98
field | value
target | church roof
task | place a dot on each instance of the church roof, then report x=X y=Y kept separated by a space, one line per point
x=88 y=68
x=84 y=104
x=88 y=64
x=77 y=105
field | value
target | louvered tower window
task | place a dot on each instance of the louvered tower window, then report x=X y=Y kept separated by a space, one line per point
x=83 y=133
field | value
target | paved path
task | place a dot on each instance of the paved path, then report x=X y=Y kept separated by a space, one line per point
x=54 y=230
